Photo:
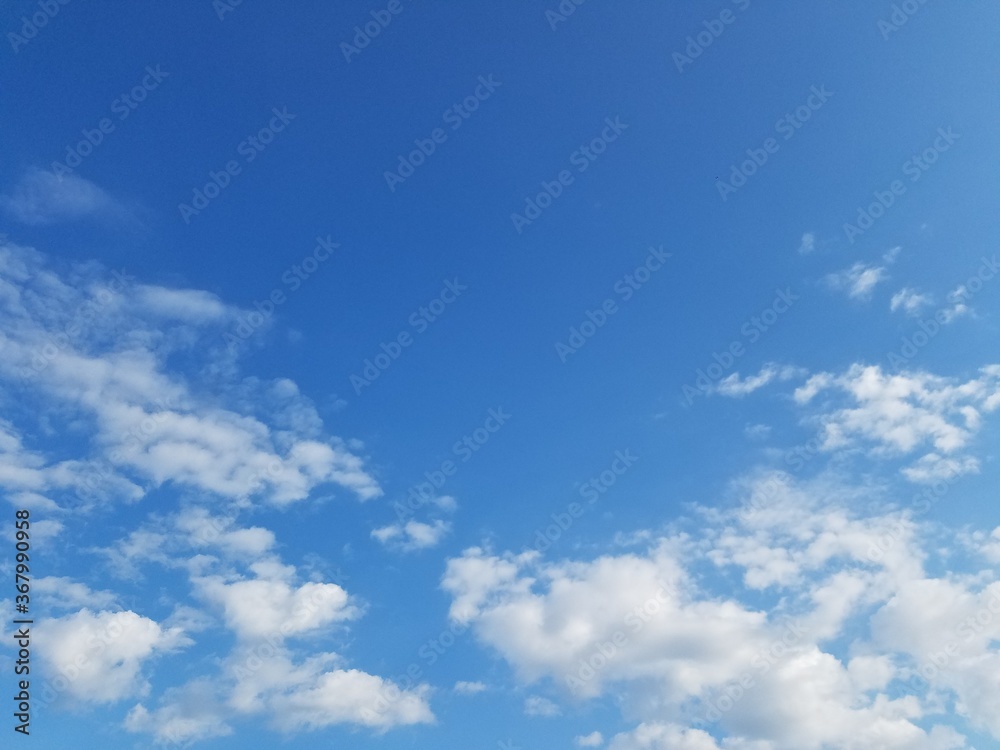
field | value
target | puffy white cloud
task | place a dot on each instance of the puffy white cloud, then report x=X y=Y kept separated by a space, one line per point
x=899 y=414
x=349 y=697
x=804 y=674
x=594 y=739
x=271 y=606
x=100 y=656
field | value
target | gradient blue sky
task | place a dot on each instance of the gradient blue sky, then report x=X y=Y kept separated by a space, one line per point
x=877 y=430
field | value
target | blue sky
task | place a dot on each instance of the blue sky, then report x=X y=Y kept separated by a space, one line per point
x=688 y=310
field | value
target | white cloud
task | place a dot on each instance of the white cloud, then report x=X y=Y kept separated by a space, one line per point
x=757 y=431
x=900 y=414
x=101 y=655
x=40 y=197
x=65 y=593
x=271 y=606
x=958 y=299
x=642 y=630
x=412 y=535
x=859 y=281
x=191 y=305
x=594 y=739
x=348 y=697
x=536 y=705
x=193 y=712
x=909 y=301
x=734 y=387
x=463 y=687
x=206 y=429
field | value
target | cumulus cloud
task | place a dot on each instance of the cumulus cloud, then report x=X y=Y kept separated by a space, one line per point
x=829 y=663
x=100 y=655
x=893 y=415
x=271 y=605
x=594 y=739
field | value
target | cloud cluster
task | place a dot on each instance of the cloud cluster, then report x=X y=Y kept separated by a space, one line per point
x=764 y=666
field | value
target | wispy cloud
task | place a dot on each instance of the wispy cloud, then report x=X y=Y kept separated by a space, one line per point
x=41 y=197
